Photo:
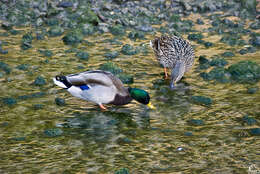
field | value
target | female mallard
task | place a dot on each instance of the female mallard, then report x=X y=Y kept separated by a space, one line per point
x=101 y=87
x=174 y=53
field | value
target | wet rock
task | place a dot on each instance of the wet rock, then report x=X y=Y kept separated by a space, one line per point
x=52 y=22
x=228 y=54
x=53 y=132
x=122 y=171
x=27 y=41
x=55 y=31
x=245 y=72
x=82 y=55
x=124 y=140
x=38 y=106
x=249 y=120
x=247 y=50
x=252 y=90
x=31 y=96
x=5 y=67
x=86 y=15
x=208 y=44
x=255 y=25
x=126 y=78
x=6 y=26
x=111 y=55
x=250 y=5
x=39 y=81
x=200 y=22
x=195 y=36
x=232 y=40
x=60 y=101
x=203 y=60
x=9 y=101
x=220 y=62
x=19 y=138
x=111 y=67
x=2 y=51
x=219 y=74
x=73 y=37
x=188 y=134
x=46 y=53
x=65 y=4
x=201 y=100
x=117 y=30
x=133 y=35
x=254 y=131
x=145 y=28
x=128 y=50
x=23 y=67
x=255 y=39
x=88 y=29
x=196 y=122
x=243 y=51
x=14 y=32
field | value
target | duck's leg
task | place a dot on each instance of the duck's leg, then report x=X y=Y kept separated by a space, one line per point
x=165 y=73
x=102 y=107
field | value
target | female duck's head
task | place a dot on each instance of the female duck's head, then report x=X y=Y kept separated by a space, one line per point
x=141 y=96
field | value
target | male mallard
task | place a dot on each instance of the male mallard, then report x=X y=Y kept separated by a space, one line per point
x=101 y=87
x=175 y=53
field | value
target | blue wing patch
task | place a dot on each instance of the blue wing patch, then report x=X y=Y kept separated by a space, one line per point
x=84 y=87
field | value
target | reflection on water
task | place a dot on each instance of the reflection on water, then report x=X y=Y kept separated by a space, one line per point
x=132 y=136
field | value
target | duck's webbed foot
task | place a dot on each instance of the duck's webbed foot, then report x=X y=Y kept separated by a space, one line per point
x=102 y=107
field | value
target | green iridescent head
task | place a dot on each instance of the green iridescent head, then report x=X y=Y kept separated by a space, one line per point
x=141 y=96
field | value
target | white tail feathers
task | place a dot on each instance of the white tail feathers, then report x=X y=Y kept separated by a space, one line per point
x=60 y=84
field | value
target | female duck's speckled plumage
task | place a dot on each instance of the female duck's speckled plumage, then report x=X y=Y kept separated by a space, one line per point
x=174 y=53
x=98 y=86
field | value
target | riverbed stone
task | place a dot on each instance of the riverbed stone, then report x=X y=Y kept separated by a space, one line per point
x=82 y=55
x=219 y=62
x=111 y=67
x=111 y=55
x=133 y=35
x=249 y=120
x=60 y=101
x=73 y=37
x=195 y=36
x=245 y=72
x=122 y=171
x=5 y=67
x=254 y=131
x=46 y=53
x=252 y=90
x=196 y=122
x=126 y=78
x=9 y=101
x=117 y=30
x=128 y=50
x=202 y=100
x=39 y=81
x=55 y=31
x=53 y=132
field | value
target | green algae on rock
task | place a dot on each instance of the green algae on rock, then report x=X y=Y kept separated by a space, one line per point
x=202 y=100
x=73 y=37
x=245 y=72
x=53 y=132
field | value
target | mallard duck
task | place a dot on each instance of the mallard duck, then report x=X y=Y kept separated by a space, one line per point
x=101 y=87
x=174 y=53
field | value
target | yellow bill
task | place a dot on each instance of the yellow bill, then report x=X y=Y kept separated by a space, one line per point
x=151 y=106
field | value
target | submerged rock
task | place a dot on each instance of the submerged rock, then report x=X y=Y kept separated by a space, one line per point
x=202 y=100
x=54 y=132
x=255 y=39
x=9 y=101
x=245 y=72
x=60 y=101
x=220 y=62
x=228 y=54
x=23 y=67
x=117 y=30
x=39 y=81
x=249 y=120
x=55 y=31
x=82 y=55
x=219 y=74
x=5 y=67
x=122 y=171
x=252 y=90
x=128 y=50
x=27 y=41
x=196 y=122
x=111 y=55
x=74 y=37
x=255 y=131
x=195 y=36
x=38 y=106
x=133 y=35
x=46 y=53
x=111 y=67
x=126 y=78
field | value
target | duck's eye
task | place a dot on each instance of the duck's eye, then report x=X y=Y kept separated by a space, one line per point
x=58 y=78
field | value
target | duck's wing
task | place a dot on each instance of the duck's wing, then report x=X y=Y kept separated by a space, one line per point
x=97 y=77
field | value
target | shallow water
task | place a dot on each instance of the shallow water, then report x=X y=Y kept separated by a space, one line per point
x=131 y=136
